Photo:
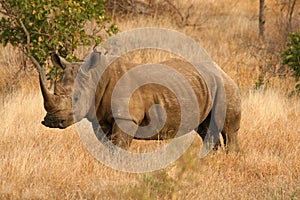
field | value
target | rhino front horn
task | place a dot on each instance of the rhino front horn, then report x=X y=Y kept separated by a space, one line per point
x=49 y=99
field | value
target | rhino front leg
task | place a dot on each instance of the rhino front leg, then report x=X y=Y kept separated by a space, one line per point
x=203 y=131
x=122 y=137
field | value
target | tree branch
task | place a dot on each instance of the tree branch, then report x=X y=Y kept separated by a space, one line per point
x=27 y=35
x=33 y=60
x=176 y=9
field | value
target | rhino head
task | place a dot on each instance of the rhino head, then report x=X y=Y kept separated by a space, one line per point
x=59 y=105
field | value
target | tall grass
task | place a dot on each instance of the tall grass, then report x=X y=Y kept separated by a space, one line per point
x=42 y=163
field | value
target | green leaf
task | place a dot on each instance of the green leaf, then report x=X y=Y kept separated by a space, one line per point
x=52 y=26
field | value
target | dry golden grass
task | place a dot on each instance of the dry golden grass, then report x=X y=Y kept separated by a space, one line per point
x=41 y=163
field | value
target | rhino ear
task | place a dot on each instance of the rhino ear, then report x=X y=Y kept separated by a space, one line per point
x=58 y=61
x=92 y=61
x=95 y=59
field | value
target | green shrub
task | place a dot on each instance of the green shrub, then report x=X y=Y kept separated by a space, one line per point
x=291 y=56
x=39 y=27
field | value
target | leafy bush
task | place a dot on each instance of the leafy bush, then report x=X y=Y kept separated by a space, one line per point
x=291 y=56
x=40 y=27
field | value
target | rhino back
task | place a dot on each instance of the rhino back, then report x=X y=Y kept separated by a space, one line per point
x=150 y=94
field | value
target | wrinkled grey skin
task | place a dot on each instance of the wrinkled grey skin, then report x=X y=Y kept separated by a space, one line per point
x=59 y=105
x=206 y=85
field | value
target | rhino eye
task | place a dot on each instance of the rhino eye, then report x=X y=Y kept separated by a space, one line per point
x=76 y=97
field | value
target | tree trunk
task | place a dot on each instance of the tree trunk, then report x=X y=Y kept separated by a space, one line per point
x=261 y=18
x=292 y=4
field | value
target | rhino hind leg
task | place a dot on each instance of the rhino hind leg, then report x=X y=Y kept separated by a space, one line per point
x=231 y=141
x=230 y=130
x=119 y=137
x=229 y=134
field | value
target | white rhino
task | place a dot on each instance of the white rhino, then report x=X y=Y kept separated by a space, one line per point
x=207 y=85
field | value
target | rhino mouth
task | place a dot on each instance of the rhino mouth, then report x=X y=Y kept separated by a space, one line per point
x=52 y=122
x=61 y=125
